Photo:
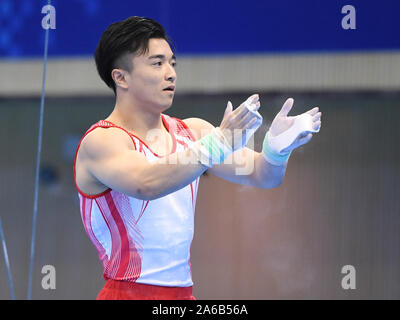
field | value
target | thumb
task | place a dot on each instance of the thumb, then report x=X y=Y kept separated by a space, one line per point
x=287 y=106
x=228 y=109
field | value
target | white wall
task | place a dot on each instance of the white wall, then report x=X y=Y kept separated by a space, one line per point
x=209 y=74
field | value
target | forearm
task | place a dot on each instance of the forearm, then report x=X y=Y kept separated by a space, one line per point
x=267 y=175
x=171 y=173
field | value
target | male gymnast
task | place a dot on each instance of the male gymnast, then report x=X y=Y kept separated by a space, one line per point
x=137 y=171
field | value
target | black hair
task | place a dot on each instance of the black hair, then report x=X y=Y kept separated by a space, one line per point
x=130 y=36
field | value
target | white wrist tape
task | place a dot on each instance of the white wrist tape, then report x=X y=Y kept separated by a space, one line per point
x=302 y=123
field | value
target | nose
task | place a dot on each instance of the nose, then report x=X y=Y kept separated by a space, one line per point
x=170 y=74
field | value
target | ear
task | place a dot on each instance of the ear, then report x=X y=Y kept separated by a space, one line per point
x=119 y=77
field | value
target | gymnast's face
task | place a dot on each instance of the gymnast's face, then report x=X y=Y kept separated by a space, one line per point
x=151 y=74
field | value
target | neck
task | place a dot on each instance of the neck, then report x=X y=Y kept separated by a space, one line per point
x=136 y=118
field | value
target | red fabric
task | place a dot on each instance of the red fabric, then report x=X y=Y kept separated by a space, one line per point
x=124 y=290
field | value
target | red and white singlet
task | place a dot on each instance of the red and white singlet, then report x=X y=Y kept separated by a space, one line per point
x=143 y=241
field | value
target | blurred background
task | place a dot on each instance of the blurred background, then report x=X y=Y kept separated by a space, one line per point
x=338 y=203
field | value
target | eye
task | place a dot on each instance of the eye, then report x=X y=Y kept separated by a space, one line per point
x=159 y=63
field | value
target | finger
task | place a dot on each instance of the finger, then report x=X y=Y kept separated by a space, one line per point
x=304 y=140
x=317 y=117
x=257 y=106
x=253 y=98
x=313 y=111
x=302 y=135
x=254 y=106
x=250 y=124
x=244 y=112
x=316 y=125
x=228 y=109
x=248 y=117
x=287 y=106
x=253 y=124
x=242 y=109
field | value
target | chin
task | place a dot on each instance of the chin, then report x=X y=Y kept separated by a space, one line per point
x=165 y=106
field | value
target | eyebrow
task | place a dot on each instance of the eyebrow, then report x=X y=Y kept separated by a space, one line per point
x=161 y=56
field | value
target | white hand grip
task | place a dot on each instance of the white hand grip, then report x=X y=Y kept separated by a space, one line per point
x=252 y=107
x=302 y=123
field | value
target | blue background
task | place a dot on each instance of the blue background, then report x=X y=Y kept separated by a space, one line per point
x=204 y=27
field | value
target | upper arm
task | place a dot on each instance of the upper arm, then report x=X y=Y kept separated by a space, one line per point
x=108 y=155
x=238 y=168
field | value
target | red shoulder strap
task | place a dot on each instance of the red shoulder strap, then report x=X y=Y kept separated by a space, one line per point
x=179 y=127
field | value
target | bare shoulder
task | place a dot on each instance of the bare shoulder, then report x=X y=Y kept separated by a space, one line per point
x=199 y=126
x=97 y=147
x=104 y=141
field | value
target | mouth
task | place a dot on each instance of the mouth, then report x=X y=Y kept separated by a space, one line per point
x=170 y=88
